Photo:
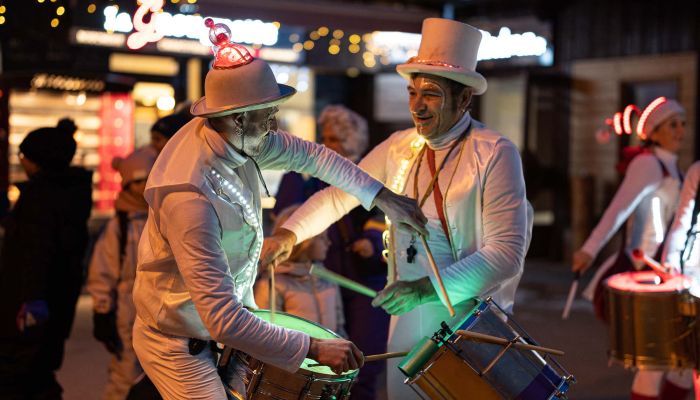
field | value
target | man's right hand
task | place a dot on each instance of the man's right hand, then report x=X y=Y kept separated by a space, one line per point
x=401 y=210
x=277 y=248
x=339 y=355
x=581 y=261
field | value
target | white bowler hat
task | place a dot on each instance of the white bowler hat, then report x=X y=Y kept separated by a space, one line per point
x=237 y=82
x=448 y=49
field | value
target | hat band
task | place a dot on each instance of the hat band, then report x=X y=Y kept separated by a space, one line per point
x=434 y=63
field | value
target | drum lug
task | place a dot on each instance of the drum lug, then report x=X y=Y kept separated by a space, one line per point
x=443 y=333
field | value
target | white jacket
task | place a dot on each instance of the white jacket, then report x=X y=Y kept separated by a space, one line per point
x=675 y=243
x=198 y=254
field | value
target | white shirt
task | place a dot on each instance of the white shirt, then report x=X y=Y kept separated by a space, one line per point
x=681 y=224
x=198 y=254
x=646 y=198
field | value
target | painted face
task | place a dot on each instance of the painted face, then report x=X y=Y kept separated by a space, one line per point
x=670 y=134
x=318 y=247
x=434 y=108
x=256 y=125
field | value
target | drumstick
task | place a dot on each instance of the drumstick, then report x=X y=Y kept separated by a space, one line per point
x=340 y=280
x=639 y=255
x=572 y=294
x=273 y=294
x=377 y=357
x=481 y=337
x=434 y=267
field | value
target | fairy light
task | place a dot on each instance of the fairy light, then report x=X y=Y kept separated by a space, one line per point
x=338 y=34
x=641 y=128
x=2 y=9
x=627 y=118
x=2 y=19
x=334 y=49
x=298 y=47
x=60 y=10
x=314 y=35
x=323 y=31
x=91 y=9
x=308 y=45
x=232 y=194
x=617 y=123
x=294 y=37
x=355 y=38
x=354 y=48
x=54 y=22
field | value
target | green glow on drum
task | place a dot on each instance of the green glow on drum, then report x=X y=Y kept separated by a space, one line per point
x=310 y=328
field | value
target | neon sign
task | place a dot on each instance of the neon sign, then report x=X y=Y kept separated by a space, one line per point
x=163 y=24
x=145 y=31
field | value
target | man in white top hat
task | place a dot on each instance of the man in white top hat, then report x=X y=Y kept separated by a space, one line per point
x=468 y=181
x=199 y=251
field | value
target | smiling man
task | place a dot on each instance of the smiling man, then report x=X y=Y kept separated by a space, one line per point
x=468 y=181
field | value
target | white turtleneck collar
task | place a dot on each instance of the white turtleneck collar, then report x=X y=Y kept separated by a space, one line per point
x=446 y=139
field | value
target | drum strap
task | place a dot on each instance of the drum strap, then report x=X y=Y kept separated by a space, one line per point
x=693 y=230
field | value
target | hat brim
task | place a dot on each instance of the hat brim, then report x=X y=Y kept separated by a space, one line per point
x=468 y=78
x=199 y=107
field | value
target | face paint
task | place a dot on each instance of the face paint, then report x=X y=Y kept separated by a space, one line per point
x=434 y=108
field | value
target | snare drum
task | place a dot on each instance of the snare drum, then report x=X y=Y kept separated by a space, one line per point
x=448 y=366
x=264 y=381
x=653 y=324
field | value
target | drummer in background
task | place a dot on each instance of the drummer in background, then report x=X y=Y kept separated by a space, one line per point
x=199 y=250
x=477 y=211
x=646 y=199
x=297 y=292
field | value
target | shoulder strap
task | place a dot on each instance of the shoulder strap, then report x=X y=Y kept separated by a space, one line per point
x=664 y=170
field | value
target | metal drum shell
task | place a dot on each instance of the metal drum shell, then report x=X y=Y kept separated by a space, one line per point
x=653 y=330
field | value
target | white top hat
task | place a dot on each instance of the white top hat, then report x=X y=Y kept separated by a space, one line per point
x=448 y=49
x=238 y=82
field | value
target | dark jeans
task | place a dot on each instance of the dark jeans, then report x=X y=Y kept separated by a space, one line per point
x=368 y=328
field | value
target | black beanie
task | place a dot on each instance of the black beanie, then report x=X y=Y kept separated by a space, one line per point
x=169 y=125
x=50 y=148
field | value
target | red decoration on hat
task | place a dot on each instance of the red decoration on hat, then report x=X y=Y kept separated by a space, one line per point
x=627 y=118
x=645 y=115
x=227 y=54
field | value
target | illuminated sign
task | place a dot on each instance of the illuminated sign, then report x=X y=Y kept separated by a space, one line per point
x=164 y=24
x=400 y=46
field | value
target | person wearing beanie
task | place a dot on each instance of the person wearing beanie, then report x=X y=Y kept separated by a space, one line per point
x=199 y=253
x=468 y=181
x=356 y=242
x=41 y=269
x=297 y=292
x=112 y=271
x=645 y=201
x=166 y=127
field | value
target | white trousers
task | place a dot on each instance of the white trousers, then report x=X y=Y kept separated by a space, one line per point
x=648 y=383
x=176 y=373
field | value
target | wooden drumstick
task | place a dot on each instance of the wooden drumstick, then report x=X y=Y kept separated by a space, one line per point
x=377 y=357
x=481 y=337
x=273 y=293
x=434 y=267
x=638 y=254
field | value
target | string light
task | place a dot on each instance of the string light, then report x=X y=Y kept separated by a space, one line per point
x=645 y=115
x=298 y=47
x=354 y=48
x=338 y=34
x=314 y=35
x=617 y=123
x=323 y=31
x=54 y=22
x=60 y=10
x=294 y=37
x=334 y=49
x=2 y=19
x=2 y=9
x=91 y=9
x=355 y=38
x=308 y=45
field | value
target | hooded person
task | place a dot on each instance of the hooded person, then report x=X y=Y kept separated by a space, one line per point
x=469 y=183
x=645 y=201
x=164 y=129
x=112 y=271
x=41 y=269
x=199 y=251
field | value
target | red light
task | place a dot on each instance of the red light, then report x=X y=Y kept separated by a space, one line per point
x=626 y=118
x=617 y=123
x=645 y=115
x=228 y=54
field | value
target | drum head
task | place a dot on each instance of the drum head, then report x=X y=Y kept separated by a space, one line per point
x=647 y=282
x=310 y=328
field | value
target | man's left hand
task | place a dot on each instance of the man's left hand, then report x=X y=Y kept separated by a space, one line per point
x=403 y=296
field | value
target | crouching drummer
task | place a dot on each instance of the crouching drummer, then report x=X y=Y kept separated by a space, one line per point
x=199 y=251
x=469 y=182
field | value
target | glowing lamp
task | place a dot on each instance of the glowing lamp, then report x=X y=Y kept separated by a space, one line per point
x=228 y=54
